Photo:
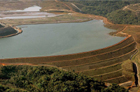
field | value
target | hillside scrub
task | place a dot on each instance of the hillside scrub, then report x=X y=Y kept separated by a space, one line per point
x=44 y=79
x=102 y=7
x=111 y=10
x=123 y=17
x=4 y=31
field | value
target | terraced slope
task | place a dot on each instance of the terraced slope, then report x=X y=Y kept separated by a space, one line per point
x=104 y=64
x=47 y=59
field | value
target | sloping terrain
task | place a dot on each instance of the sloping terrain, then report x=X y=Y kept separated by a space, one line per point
x=7 y=31
x=53 y=6
x=46 y=79
x=104 y=64
x=133 y=7
x=16 y=5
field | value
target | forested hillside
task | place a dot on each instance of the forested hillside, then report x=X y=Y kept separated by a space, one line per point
x=113 y=10
x=123 y=17
x=44 y=79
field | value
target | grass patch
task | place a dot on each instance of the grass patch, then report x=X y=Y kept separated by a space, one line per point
x=117 y=80
x=17 y=4
x=109 y=75
x=134 y=7
x=95 y=65
x=72 y=7
x=65 y=18
x=128 y=70
x=135 y=32
x=102 y=70
x=50 y=5
x=95 y=58
x=118 y=28
x=100 y=63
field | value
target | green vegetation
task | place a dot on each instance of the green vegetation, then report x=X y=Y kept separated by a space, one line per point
x=99 y=64
x=109 y=75
x=102 y=7
x=102 y=63
x=102 y=70
x=52 y=5
x=118 y=80
x=65 y=18
x=4 y=31
x=96 y=58
x=123 y=17
x=44 y=79
x=113 y=10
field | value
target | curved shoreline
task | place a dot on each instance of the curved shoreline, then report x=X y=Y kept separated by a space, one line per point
x=105 y=20
x=41 y=60
x=75 y=54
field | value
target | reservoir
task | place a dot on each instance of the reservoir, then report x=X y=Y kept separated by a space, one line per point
x=57 y=39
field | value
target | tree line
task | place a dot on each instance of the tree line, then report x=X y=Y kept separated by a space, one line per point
x=45 y=79
x=111 y=9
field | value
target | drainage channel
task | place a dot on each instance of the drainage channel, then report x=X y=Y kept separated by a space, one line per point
x=136 y=73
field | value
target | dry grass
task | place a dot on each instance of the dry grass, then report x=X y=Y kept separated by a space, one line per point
x=102 y=63
x=16 y=5
x=98 y=64
x=133 y=30
x=134 y=7
x=59 y=19
x=128 y=70
x=118 y=28
x=109 y=75
x=95 y=58
x=52 y=5
x=120 y=79
x=102 y=70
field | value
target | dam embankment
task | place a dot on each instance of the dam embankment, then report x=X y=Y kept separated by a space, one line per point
x=106 y=51
x=103 y=64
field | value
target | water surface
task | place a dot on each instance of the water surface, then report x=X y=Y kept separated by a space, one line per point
x=57 y=39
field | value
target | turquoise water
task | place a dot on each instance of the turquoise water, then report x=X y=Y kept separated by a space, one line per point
x=57 y=39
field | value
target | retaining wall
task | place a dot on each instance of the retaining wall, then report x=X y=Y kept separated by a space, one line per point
x=95 y=58
x=101 y=63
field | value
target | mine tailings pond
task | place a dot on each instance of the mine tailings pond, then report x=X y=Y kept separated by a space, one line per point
x=57 y=39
